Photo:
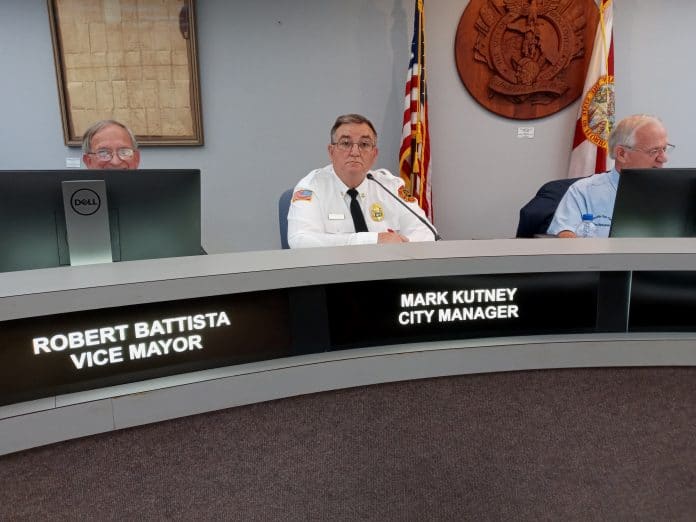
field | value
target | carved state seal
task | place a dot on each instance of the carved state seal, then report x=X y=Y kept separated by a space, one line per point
x=525 y=59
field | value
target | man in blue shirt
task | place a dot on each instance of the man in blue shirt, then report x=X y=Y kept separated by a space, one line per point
x=637 y=142
x=109 y=144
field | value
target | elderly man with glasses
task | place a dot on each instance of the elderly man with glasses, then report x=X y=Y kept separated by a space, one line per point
x=637 y=142
x=109 y=144
x=344 y=203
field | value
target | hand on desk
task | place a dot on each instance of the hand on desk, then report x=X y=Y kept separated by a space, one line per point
x=391 y=237
x=566 y=233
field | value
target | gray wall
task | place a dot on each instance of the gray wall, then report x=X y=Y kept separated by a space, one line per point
x=274 y=74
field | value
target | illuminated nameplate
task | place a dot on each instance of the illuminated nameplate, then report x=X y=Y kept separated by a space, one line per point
x=663 y=302
x=438 y=308
x=57 y=354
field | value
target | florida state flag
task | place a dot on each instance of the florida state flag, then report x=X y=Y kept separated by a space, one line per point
x=596 y=113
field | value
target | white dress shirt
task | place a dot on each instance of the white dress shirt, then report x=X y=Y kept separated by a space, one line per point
x=320 y=211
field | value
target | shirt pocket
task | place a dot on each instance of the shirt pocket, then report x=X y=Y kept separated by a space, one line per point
x=337 y=225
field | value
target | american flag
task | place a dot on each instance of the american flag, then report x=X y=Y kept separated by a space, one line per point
x=596 y=112
x=414 y=154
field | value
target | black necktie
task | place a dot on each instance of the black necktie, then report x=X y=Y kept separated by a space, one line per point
x=356 y=212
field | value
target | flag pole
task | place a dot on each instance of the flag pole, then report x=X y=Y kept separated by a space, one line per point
x=607 y=50
x=421 y=96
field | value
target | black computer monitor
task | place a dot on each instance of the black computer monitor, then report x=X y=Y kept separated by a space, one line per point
x=152 y=214
x=655 y=203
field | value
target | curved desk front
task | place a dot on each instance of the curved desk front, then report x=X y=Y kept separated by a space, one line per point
x=96 y=348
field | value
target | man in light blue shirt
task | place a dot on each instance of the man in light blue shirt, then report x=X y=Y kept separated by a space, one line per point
x=637 y=142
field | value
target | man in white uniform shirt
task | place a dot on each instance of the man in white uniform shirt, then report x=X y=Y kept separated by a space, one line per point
x=320 y=212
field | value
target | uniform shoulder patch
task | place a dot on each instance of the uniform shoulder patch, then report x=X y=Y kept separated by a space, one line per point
x=406 y=195
x=302 y=195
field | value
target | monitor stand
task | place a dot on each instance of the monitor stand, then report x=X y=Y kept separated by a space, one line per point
x=87 y=221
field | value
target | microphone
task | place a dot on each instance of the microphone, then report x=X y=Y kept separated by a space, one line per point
x=437 y=236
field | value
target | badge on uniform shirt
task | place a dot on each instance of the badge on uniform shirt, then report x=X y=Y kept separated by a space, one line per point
x=377 y=212
x=302 y=195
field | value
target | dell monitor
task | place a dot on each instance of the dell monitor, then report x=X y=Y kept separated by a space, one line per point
x=655 y=203
x=52 y=218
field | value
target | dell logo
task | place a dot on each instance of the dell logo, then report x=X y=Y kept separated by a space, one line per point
x=85 y=202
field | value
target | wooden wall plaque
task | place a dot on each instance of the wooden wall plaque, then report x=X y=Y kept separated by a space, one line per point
x=525 y=59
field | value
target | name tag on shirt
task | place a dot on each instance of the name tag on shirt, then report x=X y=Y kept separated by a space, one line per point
x=336 y=217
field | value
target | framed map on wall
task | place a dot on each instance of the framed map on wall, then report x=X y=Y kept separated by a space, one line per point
x=134 y=61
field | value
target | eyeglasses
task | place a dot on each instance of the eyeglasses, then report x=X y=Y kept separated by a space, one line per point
x=654 y=152
x=347 y=145
x=124 y=153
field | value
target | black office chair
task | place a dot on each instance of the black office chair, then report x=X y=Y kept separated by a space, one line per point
x=283 y=208
x=536 y=215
